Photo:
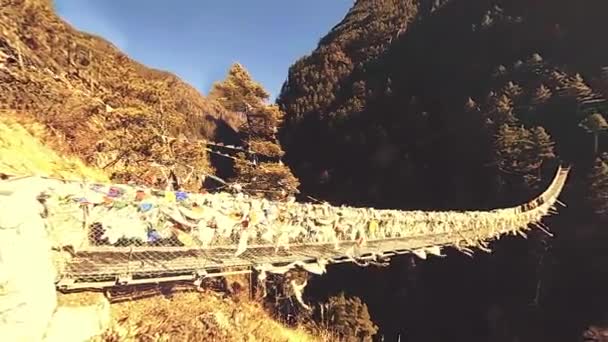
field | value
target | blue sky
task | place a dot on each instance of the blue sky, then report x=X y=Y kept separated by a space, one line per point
x=199 y=39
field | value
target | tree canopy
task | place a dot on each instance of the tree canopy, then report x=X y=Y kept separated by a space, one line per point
x=239 y=92
x=259 y=171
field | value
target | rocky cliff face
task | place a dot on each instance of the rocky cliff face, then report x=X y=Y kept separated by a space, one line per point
x=108 y=109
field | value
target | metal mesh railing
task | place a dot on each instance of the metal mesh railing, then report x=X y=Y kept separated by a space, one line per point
x=112 y=234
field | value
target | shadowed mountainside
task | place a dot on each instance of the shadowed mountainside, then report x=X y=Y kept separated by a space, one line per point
x=463 y=105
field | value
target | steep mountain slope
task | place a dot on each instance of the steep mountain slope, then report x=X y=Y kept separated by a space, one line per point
x=319 y=90
x=22 y=152
x=406 y=109
x=110 y=110
x=470 y=106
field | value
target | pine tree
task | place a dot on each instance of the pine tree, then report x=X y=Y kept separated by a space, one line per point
x=510 y=141
x=598 y=187
x=543 y=146
x=522 y=151
x=501 y=70
x=500 y=110
x=557 y=80
x=263 y=174
x=535 y=59
x=350 y=318
x=541 y=95
x=512 y=90
x=239 y=92
x=470 y=105
x=542 y=149
x=595 y=124
x=576 y=87
x=535 y=64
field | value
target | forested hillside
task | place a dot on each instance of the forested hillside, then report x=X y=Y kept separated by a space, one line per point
x=464 y=105
x=100 y=105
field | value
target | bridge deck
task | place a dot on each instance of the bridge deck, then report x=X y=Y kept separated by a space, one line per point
x=98 y=268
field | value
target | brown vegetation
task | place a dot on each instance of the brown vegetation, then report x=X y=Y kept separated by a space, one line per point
x=262 y=171
x=197 y=317
x=111 y=111
x=22 y=151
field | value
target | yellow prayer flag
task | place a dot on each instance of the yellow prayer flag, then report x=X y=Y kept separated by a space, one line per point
x=373 y=226
x=170 y=196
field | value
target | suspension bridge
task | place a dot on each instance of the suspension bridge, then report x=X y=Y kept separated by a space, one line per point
x=107 y=236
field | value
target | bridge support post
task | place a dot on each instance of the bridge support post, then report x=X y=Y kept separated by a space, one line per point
x=251 y=283
x=124 y=279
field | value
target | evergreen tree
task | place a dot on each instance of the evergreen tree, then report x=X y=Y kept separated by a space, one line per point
x=512 y=90
x=470 y=105
x=511 y=142
x=239 y=92
x=576 y=88
x=261 y=172
x=543 y=146
x=557 y=79
x=598 y=187
x=500 y=110
x=542 y=149
x=535 y=64
x=595 y=124
x=535 y=59
x=501 y=70
x=349 y=317
x=522 y=151
x=541 y=95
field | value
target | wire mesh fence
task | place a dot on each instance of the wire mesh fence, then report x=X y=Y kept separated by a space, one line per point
x=108 y=234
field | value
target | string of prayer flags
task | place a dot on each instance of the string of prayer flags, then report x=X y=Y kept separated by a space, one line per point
x=126 y=215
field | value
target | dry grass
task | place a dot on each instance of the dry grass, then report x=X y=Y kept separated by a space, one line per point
x=196 y=316
x=23 y=153
x=79 y=299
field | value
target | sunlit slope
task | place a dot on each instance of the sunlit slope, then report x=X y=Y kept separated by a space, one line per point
x=22 y=152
